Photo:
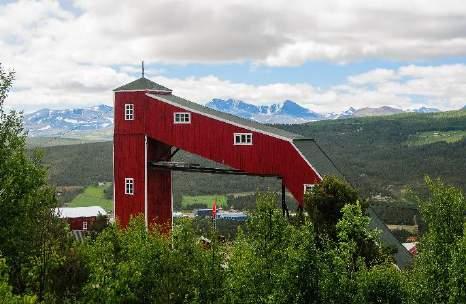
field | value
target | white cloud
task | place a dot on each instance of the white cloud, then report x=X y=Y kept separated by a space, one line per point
x=67 y=58
x=373 y=77
x=270 y=32
x=407 y=87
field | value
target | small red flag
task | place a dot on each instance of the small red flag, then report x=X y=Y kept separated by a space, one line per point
x=214 y=209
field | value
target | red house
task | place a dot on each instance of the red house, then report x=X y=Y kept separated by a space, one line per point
x=152 y=124
x=80 y=218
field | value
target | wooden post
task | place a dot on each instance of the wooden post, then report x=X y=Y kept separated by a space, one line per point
x=284 y=206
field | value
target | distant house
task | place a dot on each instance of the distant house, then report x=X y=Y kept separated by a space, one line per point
x=80 y=218
x=222 y=215
x=232 y=216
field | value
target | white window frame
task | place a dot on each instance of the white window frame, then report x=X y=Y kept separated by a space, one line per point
x=182 y=118
x=243 y=141
x=129 y=111
x=129 y=186
x=85 y=225
x=308 y=187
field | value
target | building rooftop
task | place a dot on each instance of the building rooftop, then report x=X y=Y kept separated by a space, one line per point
x=241 y=122
x=79 y=212
x=143 y=84
x=312 y=152
x=402 y=257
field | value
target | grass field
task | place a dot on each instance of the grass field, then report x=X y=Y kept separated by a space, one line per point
x=41 y=142
x=92 y=196
x=426 y=138
x=204 y=199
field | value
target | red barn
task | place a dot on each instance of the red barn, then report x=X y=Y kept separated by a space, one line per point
x=80 y=218
x=151 y=124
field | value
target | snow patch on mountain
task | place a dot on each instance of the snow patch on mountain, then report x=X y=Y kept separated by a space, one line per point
x=48 y=122
x=62 y=123
x=286 y=112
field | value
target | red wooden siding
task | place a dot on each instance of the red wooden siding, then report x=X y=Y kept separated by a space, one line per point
x=213 y=139
x=135 y=126
x=77 y=222
x=205 y=136
x=159 y=186
x=129 y=161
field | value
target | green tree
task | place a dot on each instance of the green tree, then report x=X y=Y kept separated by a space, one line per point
x=347 y=268
x=6 y=294
x=324 y=203
x=272 y=261
x=100 y=223
x=381 y=284
x=439 y=273
x=28 y=227
x=457 y=271
x=139 y=266
x=353 y=231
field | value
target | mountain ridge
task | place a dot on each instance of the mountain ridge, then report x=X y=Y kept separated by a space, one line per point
x=98 y=120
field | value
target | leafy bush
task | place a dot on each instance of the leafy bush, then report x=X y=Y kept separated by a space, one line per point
x=325 y=202
x=439 y=272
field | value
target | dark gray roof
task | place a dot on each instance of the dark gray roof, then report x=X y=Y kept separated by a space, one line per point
x=224 y=116
x=402 y=257
x=316 y=157
x=142 y=84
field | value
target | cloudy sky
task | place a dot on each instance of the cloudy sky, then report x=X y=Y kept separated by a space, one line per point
x=326 y=55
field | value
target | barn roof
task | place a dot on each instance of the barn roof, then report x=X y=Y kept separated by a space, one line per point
x=316 y=157
x=402 y=257
x=246 y=123
x=79 y=212
x=143 y=84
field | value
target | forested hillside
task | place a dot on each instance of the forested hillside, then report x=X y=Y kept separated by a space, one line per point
x=379 y=155
x=384 y=154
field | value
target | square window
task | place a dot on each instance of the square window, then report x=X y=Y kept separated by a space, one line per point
x=308 y=187
x=129 y=186
x=182 y=118
x=129 y=111
x=243 y=138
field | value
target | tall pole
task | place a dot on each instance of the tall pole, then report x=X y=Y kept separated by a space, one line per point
x=142 y=66
x=284 y=206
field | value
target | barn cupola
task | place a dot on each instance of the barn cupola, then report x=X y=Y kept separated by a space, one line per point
x=144 y=84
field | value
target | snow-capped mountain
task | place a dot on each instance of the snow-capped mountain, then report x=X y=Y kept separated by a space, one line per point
x=48 y=122
x=379 y=111
x=98 y=121
x=426 y=110
x=345 y=114
x=286 y=112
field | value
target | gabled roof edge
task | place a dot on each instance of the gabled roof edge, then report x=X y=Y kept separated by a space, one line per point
x=290 y=140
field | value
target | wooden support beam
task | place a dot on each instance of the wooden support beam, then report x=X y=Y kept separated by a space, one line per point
x=284 y=206
x=189 y=167
x=174 y=152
